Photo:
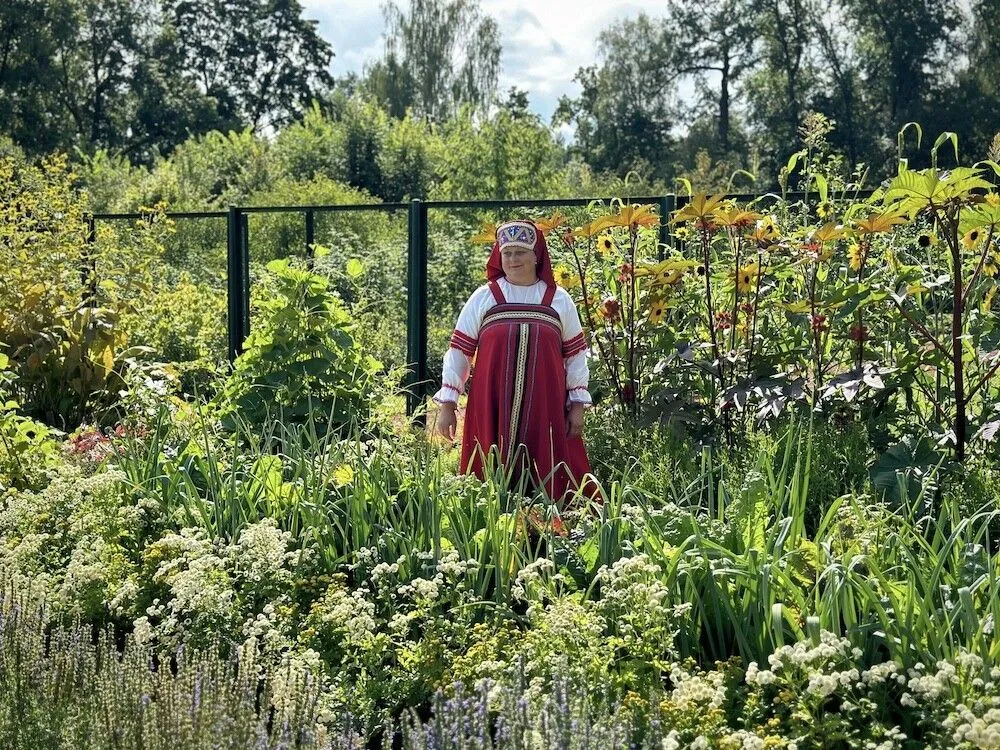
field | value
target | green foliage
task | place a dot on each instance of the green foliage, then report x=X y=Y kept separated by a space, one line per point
x=507 y=156
x=27 y=448
x=626 y=109
x=64 y=297
x=418 y=70
x=301 y=358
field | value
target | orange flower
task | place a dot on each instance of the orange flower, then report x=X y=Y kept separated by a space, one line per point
x=487 y=234
x=554 y=221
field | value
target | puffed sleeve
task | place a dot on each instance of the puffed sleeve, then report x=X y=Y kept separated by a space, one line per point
x=574 y=349
x=464 y=340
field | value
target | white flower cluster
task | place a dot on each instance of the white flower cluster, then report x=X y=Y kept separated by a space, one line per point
x=453 y=567
x=261 y=553
x=532 y=579
x=697 y=691
x=351 y=613
x=264 y=630
x=976 y=731
x=928 y=686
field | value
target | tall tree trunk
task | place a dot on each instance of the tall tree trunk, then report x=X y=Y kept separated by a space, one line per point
x=724 y=102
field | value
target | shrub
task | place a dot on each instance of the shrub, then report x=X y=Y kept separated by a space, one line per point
x=301 y=359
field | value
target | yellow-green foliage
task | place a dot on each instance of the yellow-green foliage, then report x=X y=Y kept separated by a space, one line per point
x=62 y=297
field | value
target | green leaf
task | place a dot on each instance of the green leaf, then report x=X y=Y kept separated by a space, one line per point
x=945 y=136
x=822 y=186
x=355 y=268
x=904 y=468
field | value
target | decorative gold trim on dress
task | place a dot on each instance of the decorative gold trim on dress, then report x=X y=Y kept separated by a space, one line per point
x=535 y=317
x=520 y=371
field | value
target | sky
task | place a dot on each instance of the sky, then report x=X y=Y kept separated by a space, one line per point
x=544 y=42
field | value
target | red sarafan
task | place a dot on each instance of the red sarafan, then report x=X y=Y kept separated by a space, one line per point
x=529 y=384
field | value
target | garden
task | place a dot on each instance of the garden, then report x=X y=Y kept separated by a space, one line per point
x=796 y=410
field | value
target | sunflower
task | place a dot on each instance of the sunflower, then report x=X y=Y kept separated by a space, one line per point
x=746 y=278
x=972 y=238
x=765 y=233
x=566 y=277
x=987 y=303
x=682 y=233
x=657 y=309
x=990 y=266
x=855 y=256
x=927 y=240
x=669 y=277
x=605 y=245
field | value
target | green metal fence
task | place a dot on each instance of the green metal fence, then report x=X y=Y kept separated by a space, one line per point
x=238 y=259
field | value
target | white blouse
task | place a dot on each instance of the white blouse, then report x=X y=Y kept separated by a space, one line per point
x=457 y=362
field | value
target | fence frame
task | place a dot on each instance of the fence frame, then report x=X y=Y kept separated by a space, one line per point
x=238 y=258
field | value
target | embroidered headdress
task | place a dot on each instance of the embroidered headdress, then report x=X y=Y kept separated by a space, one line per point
x=521 y=234
x=517 y=234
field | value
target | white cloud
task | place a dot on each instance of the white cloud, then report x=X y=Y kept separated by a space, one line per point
x=544 y=43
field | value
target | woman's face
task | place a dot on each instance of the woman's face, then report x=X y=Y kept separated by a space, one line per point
x=518 y=264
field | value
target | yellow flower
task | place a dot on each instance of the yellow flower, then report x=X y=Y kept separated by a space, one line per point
x=657 y=309
x=881 y=222
x=746 y=278
x=343 y=475
x=824 y=209
x=566 y=277
x=669 y=277
x=855 y=256
x=699 y=209
x=987 y=304
x=972 y=238
x=682 y=233
x=990 y=266
x=636 y=216
x=487 y=234
x=605 y=245
x=552 y=222
x=765 y=233
x=926 y=240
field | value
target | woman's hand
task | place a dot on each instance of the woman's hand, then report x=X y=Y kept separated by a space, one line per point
x=574 y=420
x=447 y=421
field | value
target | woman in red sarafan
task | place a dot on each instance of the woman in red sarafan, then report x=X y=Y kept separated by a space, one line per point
x=529 y=388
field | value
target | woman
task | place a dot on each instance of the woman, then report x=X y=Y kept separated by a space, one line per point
x=530 y=385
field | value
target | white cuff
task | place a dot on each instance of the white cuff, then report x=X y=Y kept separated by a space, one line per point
x=448 y=394
x=578 y=395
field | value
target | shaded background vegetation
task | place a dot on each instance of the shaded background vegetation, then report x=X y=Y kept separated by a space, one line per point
x=697 y=90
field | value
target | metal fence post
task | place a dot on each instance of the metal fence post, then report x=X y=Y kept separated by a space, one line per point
x=245 y=276
x=310 y=235
x=667 y=205
x=237 y=281
x=88 y=264
x=416 y=309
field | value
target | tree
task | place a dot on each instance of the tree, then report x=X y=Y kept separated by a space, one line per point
x=904 y=74
x=627 y=108
x=440 y=56
x=778 y=91
x=30 y=110
x=715 y=37
x=260 y=59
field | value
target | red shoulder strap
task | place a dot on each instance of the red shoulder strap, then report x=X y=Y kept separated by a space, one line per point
x=550 y=293
x=497 y=293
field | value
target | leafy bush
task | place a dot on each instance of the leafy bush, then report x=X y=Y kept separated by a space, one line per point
x=301 y=360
